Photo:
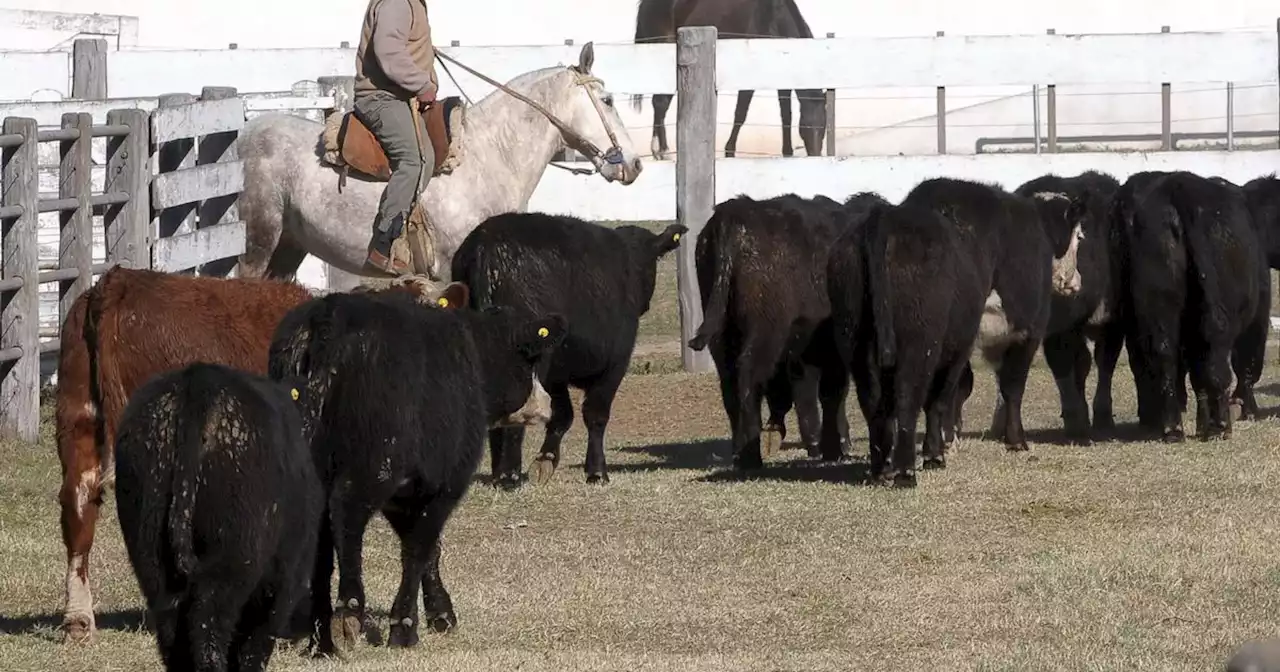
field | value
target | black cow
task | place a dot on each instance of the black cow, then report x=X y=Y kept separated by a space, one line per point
x=1263 y=194
x=1005 y=235
x=601 y=279
x=219 y=504
x=761 y=269
x=401 y=396
x=906 y=302
x=1091 y=312
x=1195 y=296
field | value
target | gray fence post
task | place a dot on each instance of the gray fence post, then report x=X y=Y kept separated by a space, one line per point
x=695 y=172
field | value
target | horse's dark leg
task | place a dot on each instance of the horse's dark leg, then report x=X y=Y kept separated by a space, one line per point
x=739 y=118
x=661 y=103
x=784 y=110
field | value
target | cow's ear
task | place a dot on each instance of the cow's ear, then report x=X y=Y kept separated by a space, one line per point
x=454 y=297
x=540 y=336
x=669 y=239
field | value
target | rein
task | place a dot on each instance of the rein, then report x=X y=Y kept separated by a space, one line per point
x=593 y=153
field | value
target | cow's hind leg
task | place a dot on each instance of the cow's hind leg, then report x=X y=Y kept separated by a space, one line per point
x=1015 y=367
x=1248 y=357
x=211 y=623
x=780 y=398
x=561 y=419
x=419 y=526
x=833 y=389
x=597 y=405
x=350 y=516
x=1106 y=353
x=938 y=404
x=254 y=640
x=1068 y=359
x=1211 y=379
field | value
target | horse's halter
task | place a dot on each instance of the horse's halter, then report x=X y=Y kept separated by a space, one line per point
x=574 y=139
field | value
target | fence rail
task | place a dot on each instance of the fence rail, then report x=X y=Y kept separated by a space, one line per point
x=126 y=202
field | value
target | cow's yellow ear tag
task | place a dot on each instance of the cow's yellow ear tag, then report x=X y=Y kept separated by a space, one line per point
x=444 y=303
x=294 y=393
x=543 y=332
x=676 y=238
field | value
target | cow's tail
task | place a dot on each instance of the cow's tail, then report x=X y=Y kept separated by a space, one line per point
x=875 y=247
x=90 y=331
x=727 y=246
x=1194 y=227
x=197 y=398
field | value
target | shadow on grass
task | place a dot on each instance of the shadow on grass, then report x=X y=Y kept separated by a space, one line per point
x=845 y=472
x=49 y=626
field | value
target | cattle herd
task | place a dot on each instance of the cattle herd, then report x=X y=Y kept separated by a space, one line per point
x=252 y=429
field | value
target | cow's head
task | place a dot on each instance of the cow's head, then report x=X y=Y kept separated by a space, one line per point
x=1063 y=218
x=513 y=347
x=645 y=249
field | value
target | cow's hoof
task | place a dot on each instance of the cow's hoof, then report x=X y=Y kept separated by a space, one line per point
x=597 y=479
x=904 y=479
x=345 y=628
x=934 y=463
x=770 y=442
x=441 y=622
x=402 y=635
x=78 y=628
x=1104 y=424
x=1174 y=436
x=814 y=451
x=748 y=461
x=509 y=482
x=1019 y=447
x=544 y=469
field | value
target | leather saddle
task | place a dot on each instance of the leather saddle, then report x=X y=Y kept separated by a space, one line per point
x=350 y=145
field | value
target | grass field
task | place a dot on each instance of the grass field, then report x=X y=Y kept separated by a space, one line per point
x=1119 y=556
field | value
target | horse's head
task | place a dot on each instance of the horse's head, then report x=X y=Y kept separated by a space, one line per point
x=591 y=116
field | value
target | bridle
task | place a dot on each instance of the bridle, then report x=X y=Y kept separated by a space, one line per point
x=612 y=156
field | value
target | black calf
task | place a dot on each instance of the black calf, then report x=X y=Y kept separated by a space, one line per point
x=219 y=503
x=761 y=269
x=905 y=306
x=1194 y=282
x=601 y=280
x=401 y=397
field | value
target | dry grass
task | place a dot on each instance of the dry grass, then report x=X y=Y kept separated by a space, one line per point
x=1120 y=556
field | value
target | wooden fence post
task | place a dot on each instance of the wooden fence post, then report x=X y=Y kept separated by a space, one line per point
x=128 y=225
x=1166 y=111
x=941 y=112
x=170 y=156
x=213 y=148
x=831 y=115
x=20 y=315
x=75 y=246
x=1051 y=110
x=695 y=172
x=89 y=69
x=1278 y=72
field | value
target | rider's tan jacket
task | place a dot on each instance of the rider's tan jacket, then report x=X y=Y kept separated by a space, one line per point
x=395 y=53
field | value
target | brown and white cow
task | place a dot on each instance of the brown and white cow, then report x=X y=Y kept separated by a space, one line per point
x=130 y=326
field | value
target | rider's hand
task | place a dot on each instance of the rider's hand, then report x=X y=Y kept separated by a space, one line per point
x=427 y=97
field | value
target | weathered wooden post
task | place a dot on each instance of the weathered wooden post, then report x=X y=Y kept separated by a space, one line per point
x=1051 y=110
x=831 y=115
x=20 y=315
x=75 y=248
x=173 y=155
x=215 y=148
x=941 y=112
x=128 y=225
x=89 y=69
x=1166 y=110
x=695 y=172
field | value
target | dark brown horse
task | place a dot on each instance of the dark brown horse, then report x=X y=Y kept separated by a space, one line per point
x=657 y=21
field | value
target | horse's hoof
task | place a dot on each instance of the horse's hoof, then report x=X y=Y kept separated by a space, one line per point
x=544 y=469
x=770 y=442
x=78 y=628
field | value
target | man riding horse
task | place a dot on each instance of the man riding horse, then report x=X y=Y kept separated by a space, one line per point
x=396 y=81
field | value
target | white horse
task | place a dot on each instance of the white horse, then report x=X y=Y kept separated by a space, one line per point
x=291 y=205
